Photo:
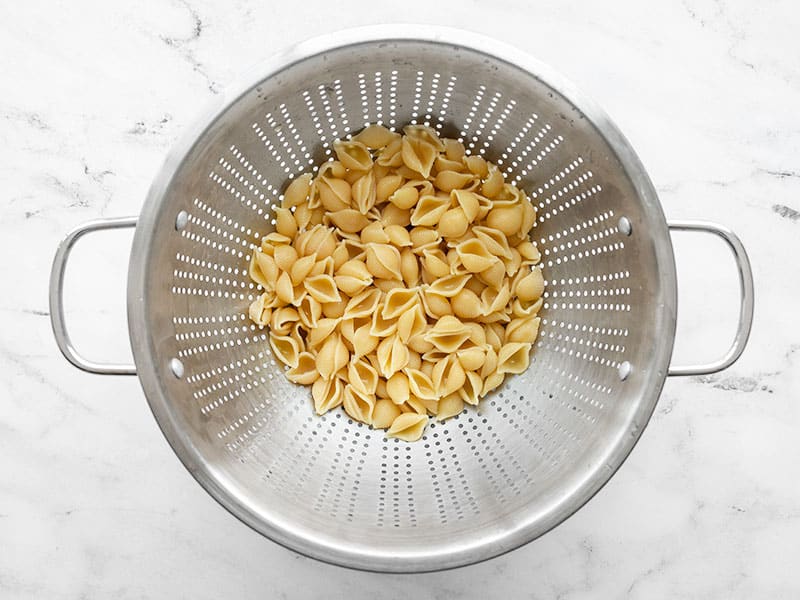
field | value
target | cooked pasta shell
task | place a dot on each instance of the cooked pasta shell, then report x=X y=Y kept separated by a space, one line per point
x=383 y=261
x=528 y=217
x=363 y=341
x=362 y=376
x=381 y=327
x=447 y=334
x=490 y=362
x=260 y=310
x=358 y=405
x=386 y=186
x=284 y=289
x=398 y=301
x=434 y=264
x=334 y=310
x=471 y=391
x=411 y=323
x=302 y=215
x=374 y=233
x=297 y=191
x=414 y=405
x=332 y=356
x=283 y=319
x=505 y=218
x=375 y=136
x=305 y=373
x=493 y=182
x=474 y=255
x=472 y=358
x=449 y=406
x=405 y=197
x=324 y=328
x=529 y=252
x=321 y=241
x=468 y=201
x=476 y=165
x=453 y=149
x=301 y=268
x=513 y=357
x=323 y=266
x=512 y=264
x=408 y=427
x=493 y=300
x=531 y=286
x=327 y=394
x=421 y=385
x=398 y=235
x=384 y=412
x=391 y=215
x=274 y=239
x=449 y=286
x=391 y=155
x=448 y=376
x=442 y=163
x=423 y=239
x=285 y=223
x=334 y=194
x=322 y=288
x=364 y=193
x=435 y=305
x=429 y=210
x=492 y=382
x=409 y=267
x=341 y=254
x=523 y=330
x=285 y=349
x=448 y=181
x=362 y=305
x=494 y=276
x=425 y=133
x=392 y=356
x=349 y=220
x=387 y=285
x=466 y=305
x=418 y=155
x=453 y=223
x=285 y=256
x=397 y=388
x=494 y=240
x=353 y=155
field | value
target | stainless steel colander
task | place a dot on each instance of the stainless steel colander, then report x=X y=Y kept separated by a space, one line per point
x=479 y=484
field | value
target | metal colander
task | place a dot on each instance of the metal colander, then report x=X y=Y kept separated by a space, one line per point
x=488 y=480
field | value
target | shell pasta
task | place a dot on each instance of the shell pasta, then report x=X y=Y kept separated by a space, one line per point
x=400 y=282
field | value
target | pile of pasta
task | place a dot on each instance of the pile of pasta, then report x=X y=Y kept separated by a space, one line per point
x=400 y=282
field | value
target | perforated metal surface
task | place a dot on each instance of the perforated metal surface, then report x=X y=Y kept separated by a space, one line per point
x=483 y=482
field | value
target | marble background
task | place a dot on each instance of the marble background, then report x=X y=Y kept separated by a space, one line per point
x=93 y=504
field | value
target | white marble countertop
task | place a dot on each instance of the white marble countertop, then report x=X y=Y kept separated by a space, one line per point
x=93 y=503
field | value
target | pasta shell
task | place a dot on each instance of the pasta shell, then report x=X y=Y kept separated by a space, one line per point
x=513 y=357
x=322 y=288
x=353 y=155
x=375 y=136
x=301 y=268
x=398 y=301
x=453 y=223
x=476 y=165
x=411 y=323
x=447 y=334
x=321 y=241
x=349 y=220
x=449 y=406
x=260 y=311
x=334 y=194
x=405 y=197
x=528 y=217
x=468 y=202
x=424 y=238
x=284 y=289
x=391 y=155
x=449 y=286
x=263 y=269
x=529 y=252
x=334 y=310
x=494 y=276
x=392 y=356
x=474 y=255
x=418 y=155
x=471 y=359
x=384 y=413
x=505 y=218
x=383 y=261
x=374 y=233
x=409 y=267
x=424 y=133
x=494 y=240
x=493 y=182
x=358 y=405
x=450 y=180
x=324 y=328
x=302 y=215
x=523 y=330
x=322 y=267
x=493 y=301
x=387 y=285
x=386 y=186
x=362 y=376
x=398 y=236
x=530 y=287
x=492 y=382
x=442 y=163
x=285 y=349
x=285 y=256
x=285 y=223
x=397 y=388
x=466 y=305
x=363 y=341
x=340 y=255
x=415 y=405
x=327 y=394
x=435 y=305
x=434 y=263
x=283 y=319
x=381 y=327
x=429 y=210
x=364 y=193
x=471 y=391
x=332 y=356
x=453 y=149
x=305 y=373
x=421 y=385
x=513 y=264
x=297 y=191
x=274 y=239
x=391 y=215
x=362 y=305
x=448 y=376
x=490 y=363
x=408 y=427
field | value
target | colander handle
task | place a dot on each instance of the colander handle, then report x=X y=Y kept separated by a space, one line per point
x=745 y=289
x=57 y=297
